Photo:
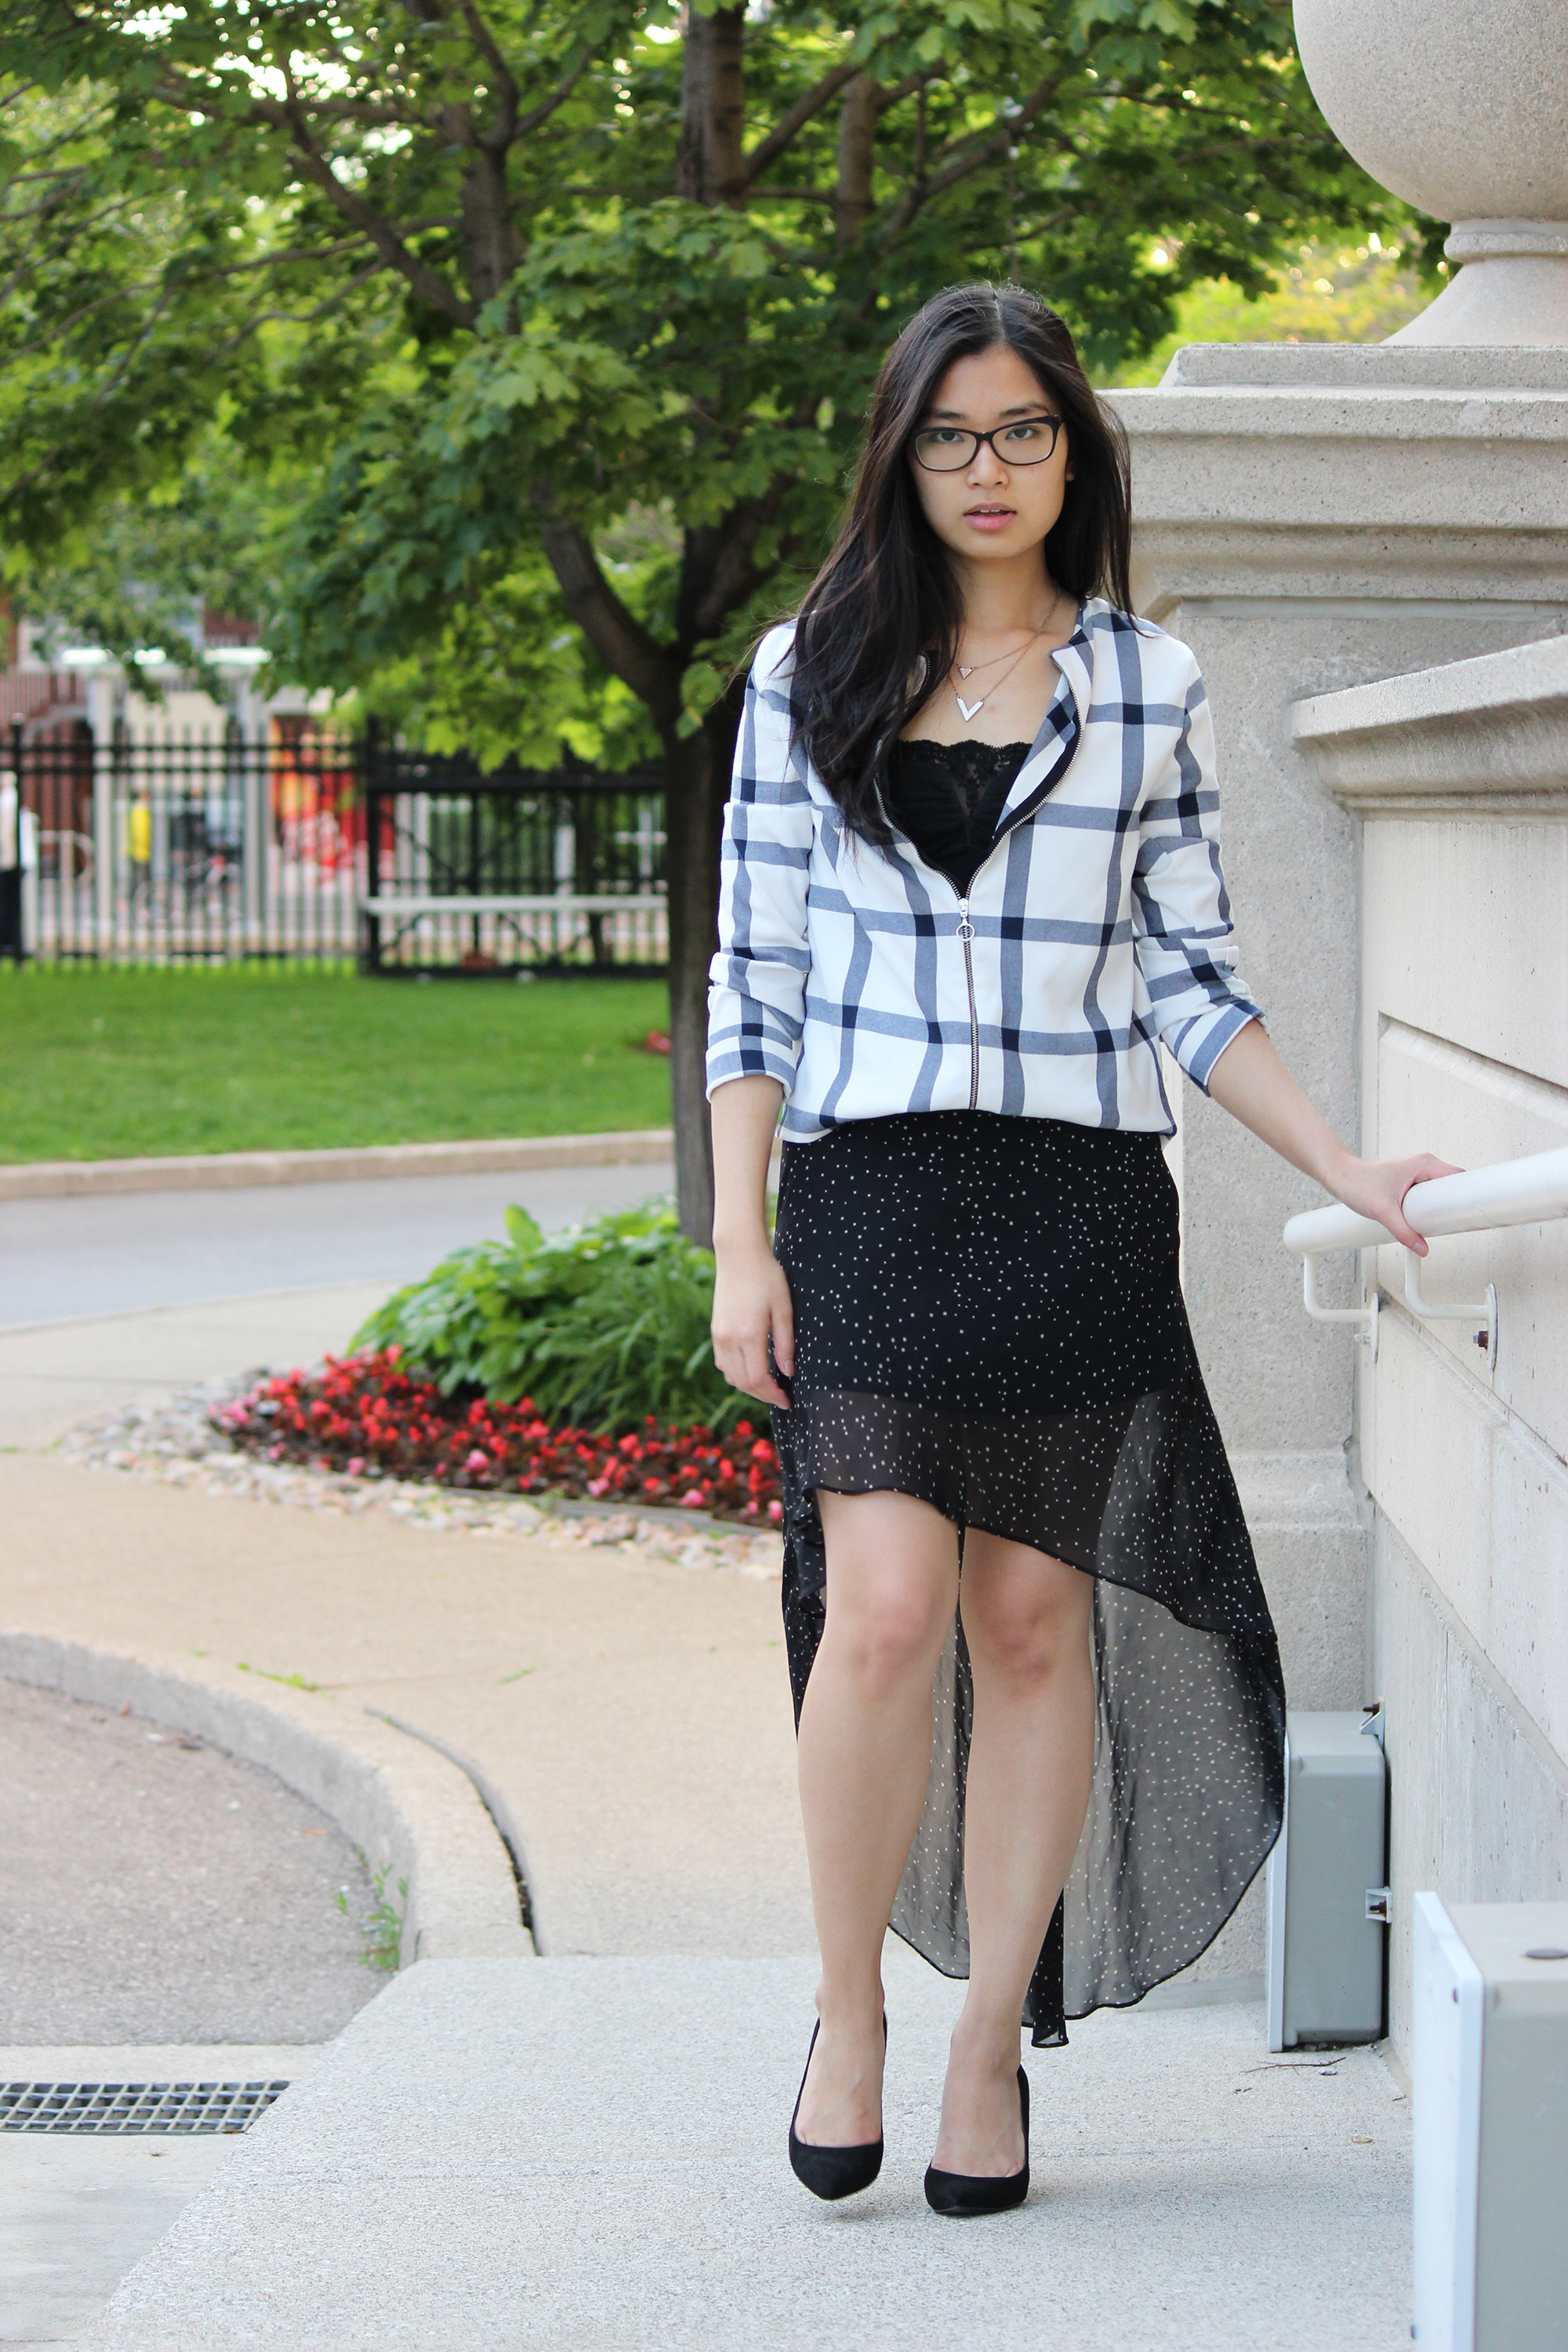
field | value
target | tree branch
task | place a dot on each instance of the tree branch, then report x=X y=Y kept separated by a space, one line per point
x=501 y=133
x=621 y=642
x=993 y=145
x=900 y=90
x=322 y=252
x=428 y=284
x=790 y=124
x=558 y=96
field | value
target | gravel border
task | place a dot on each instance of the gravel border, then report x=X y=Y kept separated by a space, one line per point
x=173 y=1440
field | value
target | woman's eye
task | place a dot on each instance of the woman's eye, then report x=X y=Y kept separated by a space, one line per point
x=942 y=436
x=1023 y=433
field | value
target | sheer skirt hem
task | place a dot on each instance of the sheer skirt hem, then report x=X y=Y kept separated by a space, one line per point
x=1190 y=1702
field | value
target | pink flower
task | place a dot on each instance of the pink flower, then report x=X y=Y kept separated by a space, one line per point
x=477 y=1461
x=597 y=1486
x=692 y=1500
x=775 y=1513
x=355 y=1466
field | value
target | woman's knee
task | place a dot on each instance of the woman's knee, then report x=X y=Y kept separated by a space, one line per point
x=889 y=1636
x=889 y=1600
x=1025 y=1617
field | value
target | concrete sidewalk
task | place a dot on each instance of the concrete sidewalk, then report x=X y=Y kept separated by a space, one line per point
x=56 y=1375
x=589 y=2156
x=76 y=2214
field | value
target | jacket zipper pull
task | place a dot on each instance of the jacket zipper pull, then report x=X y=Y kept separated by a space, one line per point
x=967 y=933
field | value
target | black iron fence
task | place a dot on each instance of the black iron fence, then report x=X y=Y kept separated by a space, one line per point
x=299 y=844
x=521 y=867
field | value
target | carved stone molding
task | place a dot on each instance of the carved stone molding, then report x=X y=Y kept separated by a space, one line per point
x=1486 y=738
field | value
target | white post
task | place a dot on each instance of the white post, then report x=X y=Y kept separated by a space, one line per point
x=27 y=829
x=100 y=719
x=253 y=790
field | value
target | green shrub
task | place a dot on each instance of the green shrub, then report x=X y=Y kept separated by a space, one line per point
x=601 y=1326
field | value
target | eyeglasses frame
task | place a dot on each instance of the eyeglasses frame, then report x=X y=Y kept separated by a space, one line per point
x=989 y=441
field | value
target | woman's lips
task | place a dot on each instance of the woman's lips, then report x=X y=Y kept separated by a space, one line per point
x=989 y=517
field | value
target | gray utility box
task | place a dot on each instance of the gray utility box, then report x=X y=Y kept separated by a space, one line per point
x=1490 y=2079
x=1326 y=1885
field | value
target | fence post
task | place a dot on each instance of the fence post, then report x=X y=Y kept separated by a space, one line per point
x=253 y=818
x=101 y=719
x=370 y=920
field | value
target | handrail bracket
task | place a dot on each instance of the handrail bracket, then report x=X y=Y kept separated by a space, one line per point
x=1364 y=1317
x=1429 y=1312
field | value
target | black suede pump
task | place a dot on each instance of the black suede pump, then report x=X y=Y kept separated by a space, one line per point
x=962 y=2196
x=833 y=2172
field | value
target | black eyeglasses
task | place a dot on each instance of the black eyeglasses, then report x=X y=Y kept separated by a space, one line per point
x=945 y=449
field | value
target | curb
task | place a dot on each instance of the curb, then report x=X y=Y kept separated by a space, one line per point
x=45 y=1180
x=414 y=1812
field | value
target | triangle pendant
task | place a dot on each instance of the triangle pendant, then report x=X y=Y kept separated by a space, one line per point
x=966 y=673
x=969 y=708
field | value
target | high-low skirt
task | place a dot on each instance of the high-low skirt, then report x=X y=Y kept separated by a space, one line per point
x=989 y=1317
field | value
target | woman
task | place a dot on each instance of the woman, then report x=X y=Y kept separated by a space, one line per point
x=970 y=881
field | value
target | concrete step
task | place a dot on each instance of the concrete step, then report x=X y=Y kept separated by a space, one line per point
x=590 y=2153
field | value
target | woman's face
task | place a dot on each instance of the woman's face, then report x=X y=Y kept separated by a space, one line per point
x=998 y=504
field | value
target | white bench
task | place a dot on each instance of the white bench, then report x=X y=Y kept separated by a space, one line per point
x=385 y=903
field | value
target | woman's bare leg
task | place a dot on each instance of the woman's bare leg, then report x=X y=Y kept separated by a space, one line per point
x=864 y=1758
x=1031 y=1761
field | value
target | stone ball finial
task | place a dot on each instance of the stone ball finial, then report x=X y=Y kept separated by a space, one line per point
x=1461 y=106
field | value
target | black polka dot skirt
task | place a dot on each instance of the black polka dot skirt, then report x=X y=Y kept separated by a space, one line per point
x=988 y=1315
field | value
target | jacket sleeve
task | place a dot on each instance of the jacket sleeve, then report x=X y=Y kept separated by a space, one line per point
x=756 y=996
x=1182 y=930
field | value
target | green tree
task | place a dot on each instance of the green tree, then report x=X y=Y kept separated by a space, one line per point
x=561 y=320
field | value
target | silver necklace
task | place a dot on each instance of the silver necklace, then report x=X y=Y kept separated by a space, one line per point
x=969 y=710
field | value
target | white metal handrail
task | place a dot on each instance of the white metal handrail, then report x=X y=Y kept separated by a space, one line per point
x=1478 y=1200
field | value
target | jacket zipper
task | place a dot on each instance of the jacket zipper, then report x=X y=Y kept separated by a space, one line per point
x=967 y=933
x=966 y=928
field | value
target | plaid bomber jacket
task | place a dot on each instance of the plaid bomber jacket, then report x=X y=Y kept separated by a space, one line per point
x=1097 y=924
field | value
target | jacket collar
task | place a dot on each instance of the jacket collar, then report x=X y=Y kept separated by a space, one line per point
x=1075 y=662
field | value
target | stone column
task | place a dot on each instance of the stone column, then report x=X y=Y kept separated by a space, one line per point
x=1310 y=517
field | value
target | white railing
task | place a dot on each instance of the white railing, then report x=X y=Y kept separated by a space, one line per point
x=1480 y=1200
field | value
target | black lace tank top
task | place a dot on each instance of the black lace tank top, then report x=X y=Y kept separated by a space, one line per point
x=948 y=798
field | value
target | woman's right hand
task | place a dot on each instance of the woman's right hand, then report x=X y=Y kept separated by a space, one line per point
x=752 y=1304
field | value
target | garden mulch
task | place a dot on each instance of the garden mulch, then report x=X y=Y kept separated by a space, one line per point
x=177 y=1441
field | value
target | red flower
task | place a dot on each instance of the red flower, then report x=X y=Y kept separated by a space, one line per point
x=363 y=1409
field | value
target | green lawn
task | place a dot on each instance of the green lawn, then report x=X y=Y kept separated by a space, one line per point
x=109 y=1065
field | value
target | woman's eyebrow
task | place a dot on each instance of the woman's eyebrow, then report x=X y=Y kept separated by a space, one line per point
x=1018 y=408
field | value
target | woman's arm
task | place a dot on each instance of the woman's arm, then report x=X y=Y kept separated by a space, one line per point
x=751 y=1296
x=1252 y=1083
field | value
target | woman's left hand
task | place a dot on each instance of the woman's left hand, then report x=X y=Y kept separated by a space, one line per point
x=1376 y=1188
x=1251 y=1082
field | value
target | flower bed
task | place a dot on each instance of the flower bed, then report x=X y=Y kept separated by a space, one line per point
x=364 y=1416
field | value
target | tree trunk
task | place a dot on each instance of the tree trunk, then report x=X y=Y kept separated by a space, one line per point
x=852 y=199
x=697 y=785
x=711 y=166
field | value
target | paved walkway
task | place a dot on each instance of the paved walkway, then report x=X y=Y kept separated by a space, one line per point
x=587 y=2149
x=76 y=2214
x=589 y=2153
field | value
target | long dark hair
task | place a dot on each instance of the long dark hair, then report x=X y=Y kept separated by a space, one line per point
x=886 y=594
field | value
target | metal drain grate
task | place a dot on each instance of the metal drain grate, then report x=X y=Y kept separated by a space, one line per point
x=133 y=2107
